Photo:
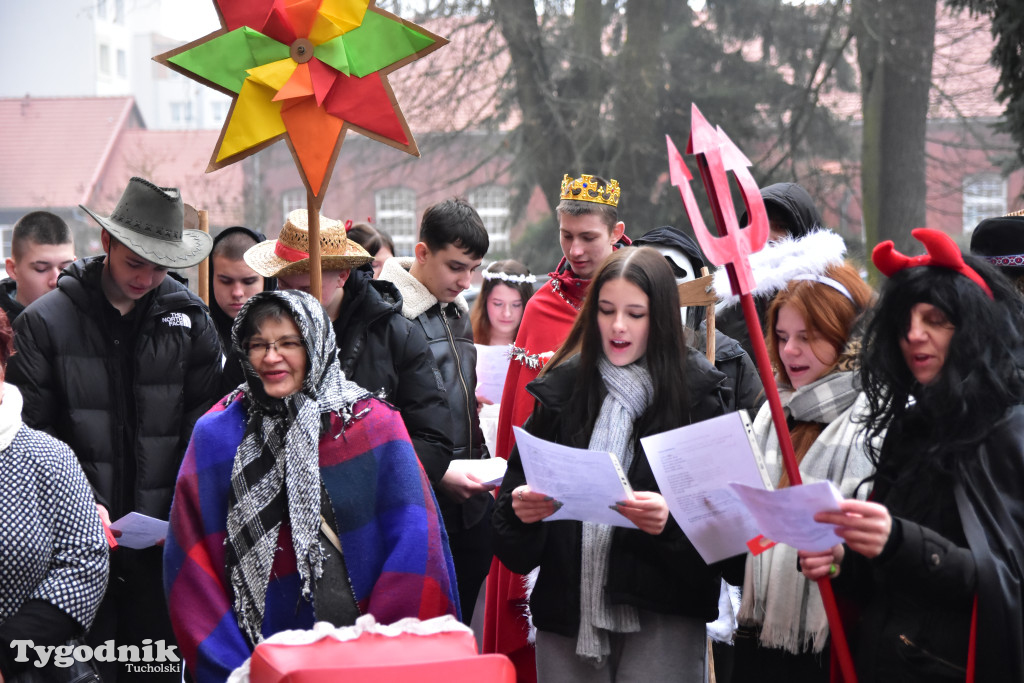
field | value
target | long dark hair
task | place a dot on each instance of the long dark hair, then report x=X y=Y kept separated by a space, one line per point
x=980 y=379
x=666 y=351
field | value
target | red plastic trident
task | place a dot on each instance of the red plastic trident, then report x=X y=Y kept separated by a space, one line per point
x=716 y=157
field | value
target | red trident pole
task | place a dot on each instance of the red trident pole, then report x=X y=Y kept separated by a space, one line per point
x=716 y=156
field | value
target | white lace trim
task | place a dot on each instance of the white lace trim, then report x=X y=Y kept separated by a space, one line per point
x=364 y=624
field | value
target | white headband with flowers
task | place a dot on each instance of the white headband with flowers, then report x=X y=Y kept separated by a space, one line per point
x=508 y=277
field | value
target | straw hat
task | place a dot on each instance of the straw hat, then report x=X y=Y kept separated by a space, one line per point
x=289 y=253
x=150 y=221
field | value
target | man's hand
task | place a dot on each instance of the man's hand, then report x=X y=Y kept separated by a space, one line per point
x=459 y=481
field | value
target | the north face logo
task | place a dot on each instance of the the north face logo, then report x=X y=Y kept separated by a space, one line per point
x=177 y=320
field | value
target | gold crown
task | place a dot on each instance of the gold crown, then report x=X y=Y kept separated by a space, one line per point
x=586 y=189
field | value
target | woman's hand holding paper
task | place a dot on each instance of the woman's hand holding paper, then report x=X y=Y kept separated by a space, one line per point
x=647 y=509
x=531 y=506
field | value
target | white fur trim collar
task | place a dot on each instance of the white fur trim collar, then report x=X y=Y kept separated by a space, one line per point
x=778 y=263
x=416 y=298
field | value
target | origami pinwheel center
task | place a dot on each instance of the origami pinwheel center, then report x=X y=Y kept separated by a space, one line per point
x=302 y=50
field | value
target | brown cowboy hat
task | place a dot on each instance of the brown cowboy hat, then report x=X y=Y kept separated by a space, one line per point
x=150 y=221
x=289 y=253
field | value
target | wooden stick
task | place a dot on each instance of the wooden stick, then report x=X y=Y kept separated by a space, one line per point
x=315 y=276
x=203 y=279
x=709 y=319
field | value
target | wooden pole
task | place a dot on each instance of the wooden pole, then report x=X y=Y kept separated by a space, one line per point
x=203 y=278
x=315 y=276
x=709 y=319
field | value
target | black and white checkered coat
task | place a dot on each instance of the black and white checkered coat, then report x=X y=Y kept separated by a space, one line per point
x=52 y=541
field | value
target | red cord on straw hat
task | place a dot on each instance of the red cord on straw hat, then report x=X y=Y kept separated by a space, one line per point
x=941 y=252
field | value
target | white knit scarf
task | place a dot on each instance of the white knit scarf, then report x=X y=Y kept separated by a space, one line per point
x=629 y=393
x=776 y=596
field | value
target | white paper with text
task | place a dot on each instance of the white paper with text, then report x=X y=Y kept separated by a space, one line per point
x=694 y=465
x=585 y=482
x=787 y=515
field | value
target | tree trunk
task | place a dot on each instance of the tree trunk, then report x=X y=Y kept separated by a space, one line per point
x=545 y=135
x=639 y=135
x=895 y=44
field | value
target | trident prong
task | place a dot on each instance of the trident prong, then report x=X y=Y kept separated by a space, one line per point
x=716 y=157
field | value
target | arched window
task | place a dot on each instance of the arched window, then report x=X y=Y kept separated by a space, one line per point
x=492 y=203
x=984 y=197
x=396 y=215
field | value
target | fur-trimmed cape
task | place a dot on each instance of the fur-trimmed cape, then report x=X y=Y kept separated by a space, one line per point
x=396 y=549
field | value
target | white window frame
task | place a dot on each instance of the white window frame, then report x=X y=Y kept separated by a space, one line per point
x=291 y=200
x=984 y=196
x=104 y=59
x=494 y=204
x=6 y=238
x=396 y=215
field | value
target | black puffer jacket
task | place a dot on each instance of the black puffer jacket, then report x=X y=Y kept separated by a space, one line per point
x=449 y=335
x=662 y=573
x=11 y=306
x=74 y=390
x=382 y=351
x=739 y=370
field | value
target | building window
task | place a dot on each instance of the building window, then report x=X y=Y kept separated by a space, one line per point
x=122 y=64
x=104 y=59
x=291 y=200
x=396 y=215
x=6 y=235
x=984 y=197
x=492 y=203
x=119 y=11
x=181 y=113
x=219 y=111
x=101 y=9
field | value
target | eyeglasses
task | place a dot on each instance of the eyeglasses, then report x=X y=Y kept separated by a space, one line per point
x=285 y=346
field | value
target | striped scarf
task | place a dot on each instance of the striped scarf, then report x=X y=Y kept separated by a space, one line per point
x=275 y=474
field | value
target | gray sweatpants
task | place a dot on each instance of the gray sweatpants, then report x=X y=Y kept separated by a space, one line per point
x=667 y=648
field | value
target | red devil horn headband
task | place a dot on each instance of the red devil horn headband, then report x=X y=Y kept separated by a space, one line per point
x=942 y=252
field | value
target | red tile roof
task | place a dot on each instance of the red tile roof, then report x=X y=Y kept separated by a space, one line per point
x=460 y=86
x=174 y=158
x=54 y=149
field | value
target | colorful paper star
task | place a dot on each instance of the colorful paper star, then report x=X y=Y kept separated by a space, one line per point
x=305 y=71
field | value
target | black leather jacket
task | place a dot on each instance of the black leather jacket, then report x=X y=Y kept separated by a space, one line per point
x=449 y=335
x=383 y=352
x=662 y=573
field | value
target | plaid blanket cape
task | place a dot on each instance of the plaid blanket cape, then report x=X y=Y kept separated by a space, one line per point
x=396 y=549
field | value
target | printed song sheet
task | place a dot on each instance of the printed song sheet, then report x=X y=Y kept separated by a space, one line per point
x=491 y=368
x=694 y=465
x=787 y=515
x=139 y=531
x=585 y=482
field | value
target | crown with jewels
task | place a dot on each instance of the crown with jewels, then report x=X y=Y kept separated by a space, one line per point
x=586 y=189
